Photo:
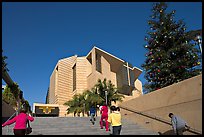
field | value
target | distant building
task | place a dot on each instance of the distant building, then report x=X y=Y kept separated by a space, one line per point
x=45 y=110
x=76 y=74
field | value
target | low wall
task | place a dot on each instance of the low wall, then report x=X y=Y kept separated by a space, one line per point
x=7 y=111
x=183 y=99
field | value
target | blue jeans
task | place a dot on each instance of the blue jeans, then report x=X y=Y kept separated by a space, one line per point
x=92 y=117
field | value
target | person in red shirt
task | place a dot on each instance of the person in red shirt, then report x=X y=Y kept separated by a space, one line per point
x=20 y=122
x=104 y=116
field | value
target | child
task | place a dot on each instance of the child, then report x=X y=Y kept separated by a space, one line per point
x=115 y=120
x=92 y=114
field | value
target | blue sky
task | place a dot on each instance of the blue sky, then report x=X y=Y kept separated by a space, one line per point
x=35 y=35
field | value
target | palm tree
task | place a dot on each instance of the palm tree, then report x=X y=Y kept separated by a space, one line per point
x=92 y=98
x=96 y=96
x=112 y=92
x=76 y=105
x=72 y=105
x=82 y=103
x=71 y=108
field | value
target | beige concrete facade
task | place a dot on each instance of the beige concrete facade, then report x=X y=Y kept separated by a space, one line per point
x=75 y=74
x=183 y=99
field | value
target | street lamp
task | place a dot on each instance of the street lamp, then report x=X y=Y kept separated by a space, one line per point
x=106 y=98
x=84 y=109
x=86 y=96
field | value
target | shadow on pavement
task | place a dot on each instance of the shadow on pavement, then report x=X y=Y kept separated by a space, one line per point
x=168 y=132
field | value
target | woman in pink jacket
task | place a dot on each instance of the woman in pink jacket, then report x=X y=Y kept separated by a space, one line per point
x=20 y=122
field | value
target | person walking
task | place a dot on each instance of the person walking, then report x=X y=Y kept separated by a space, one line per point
x=92 y=114
x=114 y=119
x=20 y=122
x=104 y=116
x=178 y=124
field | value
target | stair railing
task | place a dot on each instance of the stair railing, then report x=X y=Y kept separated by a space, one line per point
x=192 y=130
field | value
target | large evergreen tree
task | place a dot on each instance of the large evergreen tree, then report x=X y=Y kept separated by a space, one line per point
x=171 y=56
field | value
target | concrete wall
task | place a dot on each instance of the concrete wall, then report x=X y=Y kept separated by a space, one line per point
x=183 y=99
x=81 y=75
x=7 y=111
x=61 y=84
x=52 y=87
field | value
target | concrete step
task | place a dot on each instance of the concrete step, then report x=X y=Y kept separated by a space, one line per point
x=77 y=126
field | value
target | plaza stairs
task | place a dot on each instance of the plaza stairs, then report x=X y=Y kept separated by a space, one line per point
x=77 y=126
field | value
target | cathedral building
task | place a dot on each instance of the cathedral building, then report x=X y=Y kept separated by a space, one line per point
x=73 y=75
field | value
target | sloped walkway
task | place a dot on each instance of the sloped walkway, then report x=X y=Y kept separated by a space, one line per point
x=77 y=126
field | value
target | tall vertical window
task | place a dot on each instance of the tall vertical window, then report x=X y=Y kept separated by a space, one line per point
x=98 y=63
x=74 y=77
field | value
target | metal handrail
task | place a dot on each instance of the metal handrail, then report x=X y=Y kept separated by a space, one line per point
x=9 y=119
x=192 y=130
